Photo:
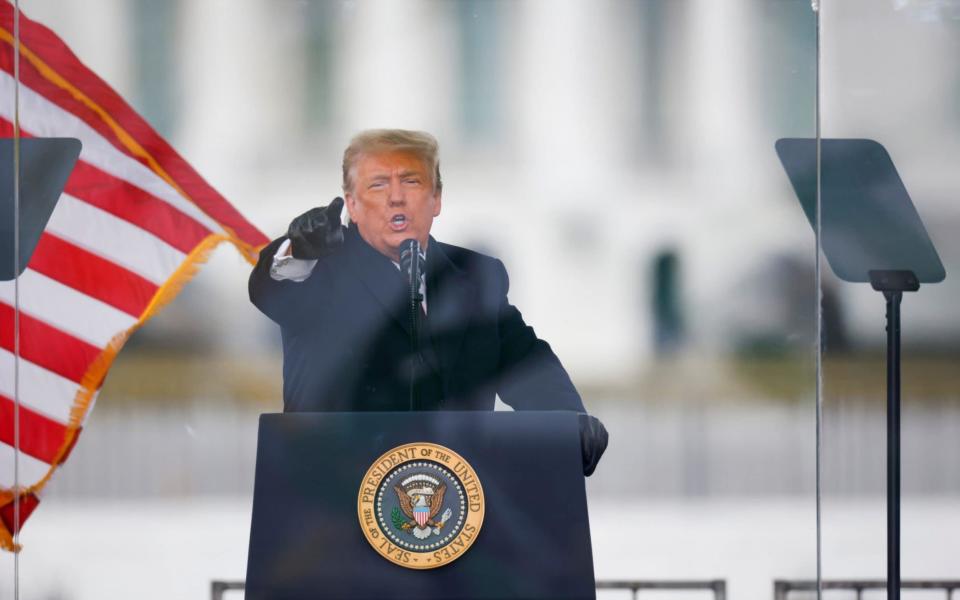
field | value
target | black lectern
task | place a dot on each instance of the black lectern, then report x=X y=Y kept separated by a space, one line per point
x=367 y=505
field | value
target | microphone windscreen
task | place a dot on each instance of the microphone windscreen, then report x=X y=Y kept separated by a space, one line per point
x=408 y=250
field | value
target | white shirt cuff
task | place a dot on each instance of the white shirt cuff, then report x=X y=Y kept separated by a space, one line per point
x=287 y=268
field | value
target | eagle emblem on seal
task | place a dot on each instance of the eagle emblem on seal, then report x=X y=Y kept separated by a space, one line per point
x=421 y=498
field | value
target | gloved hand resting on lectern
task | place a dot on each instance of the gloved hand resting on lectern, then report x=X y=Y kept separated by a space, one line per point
x=593 y=442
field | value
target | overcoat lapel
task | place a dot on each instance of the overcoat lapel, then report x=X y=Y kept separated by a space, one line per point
x=380 y=276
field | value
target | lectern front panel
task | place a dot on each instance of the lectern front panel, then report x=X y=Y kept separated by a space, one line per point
x=307 y=541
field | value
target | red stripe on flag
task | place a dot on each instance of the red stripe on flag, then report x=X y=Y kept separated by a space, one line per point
x=136 y=206
x=92 y=275
x=28 y=502
x=40 y=436
x=46 y=346
x=49 y=48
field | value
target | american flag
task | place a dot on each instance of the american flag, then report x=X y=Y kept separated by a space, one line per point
x=131 y=227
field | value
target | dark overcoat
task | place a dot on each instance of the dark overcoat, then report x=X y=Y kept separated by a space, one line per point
x=346 y=335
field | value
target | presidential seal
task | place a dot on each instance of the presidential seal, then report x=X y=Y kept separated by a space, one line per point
x=420 y=506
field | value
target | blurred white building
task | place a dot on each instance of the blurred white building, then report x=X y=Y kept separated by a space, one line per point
x=617 y=155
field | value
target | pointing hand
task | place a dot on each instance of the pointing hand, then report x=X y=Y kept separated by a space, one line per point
x=317 y=232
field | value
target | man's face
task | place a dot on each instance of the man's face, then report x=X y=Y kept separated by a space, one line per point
x=392 y=200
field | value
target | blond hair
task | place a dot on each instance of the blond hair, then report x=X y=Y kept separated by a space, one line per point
x=419 y=143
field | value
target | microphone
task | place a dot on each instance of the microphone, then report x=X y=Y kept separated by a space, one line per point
x=411 y=265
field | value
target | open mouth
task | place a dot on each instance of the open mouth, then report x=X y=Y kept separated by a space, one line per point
x=398 y=222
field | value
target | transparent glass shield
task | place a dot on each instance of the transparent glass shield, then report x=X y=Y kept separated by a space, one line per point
x=40 y=371
x=717 y=426
x=617 y=159
x=888 y=316
x=150 y=425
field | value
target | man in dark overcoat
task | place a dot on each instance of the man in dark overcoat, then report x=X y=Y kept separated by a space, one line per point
x=343 y=307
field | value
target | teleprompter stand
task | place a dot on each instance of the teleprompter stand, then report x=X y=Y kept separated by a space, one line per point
x=45 y=165
x=870 y=233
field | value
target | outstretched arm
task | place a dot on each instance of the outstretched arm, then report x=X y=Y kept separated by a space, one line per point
x=278 y=299
x=273 y=285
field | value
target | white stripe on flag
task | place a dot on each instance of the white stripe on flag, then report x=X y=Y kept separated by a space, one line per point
x=40 y=117
x=31 y=469
x=41 y=390
x=67 y=309
x=114 y=239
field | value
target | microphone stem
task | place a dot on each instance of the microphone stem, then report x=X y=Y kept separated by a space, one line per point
x=413 y=281
x=415 y=348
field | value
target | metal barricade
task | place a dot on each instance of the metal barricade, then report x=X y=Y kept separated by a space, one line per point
x=717 y=586
x=217 y=588
x=782 y=587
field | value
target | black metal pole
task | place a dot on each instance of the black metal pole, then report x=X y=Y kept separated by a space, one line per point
x=893 y=283
x=893 y=443
x=416 y=359
x=411 y=267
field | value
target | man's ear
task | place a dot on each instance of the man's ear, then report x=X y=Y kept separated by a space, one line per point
x=437 y=202
x=351 y=203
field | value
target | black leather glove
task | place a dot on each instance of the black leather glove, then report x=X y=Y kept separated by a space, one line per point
x=317 y=232
x=593 y=441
